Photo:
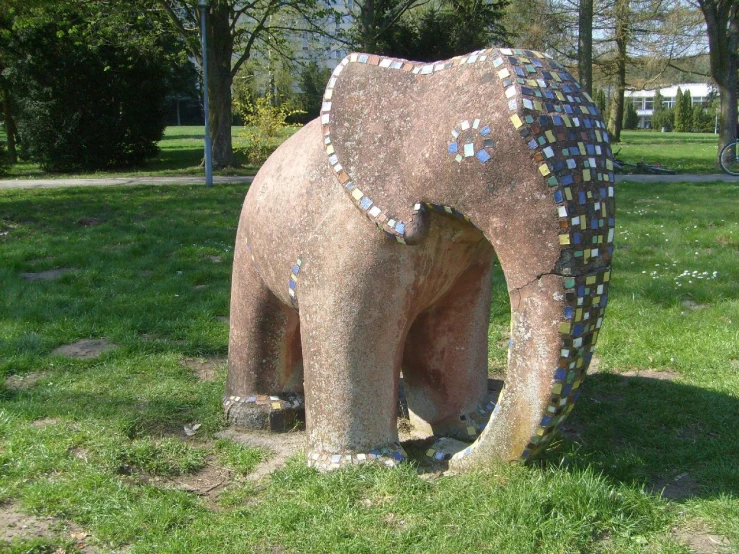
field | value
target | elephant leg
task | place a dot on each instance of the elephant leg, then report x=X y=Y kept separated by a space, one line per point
x=353 y=338
x=264 y=384
x=445 y=358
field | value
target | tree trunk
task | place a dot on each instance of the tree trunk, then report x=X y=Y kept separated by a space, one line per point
x=722 y=22
x=368 y=25
x=622 y=38
x=585 y=46
x=10 y=128
x=220 y=52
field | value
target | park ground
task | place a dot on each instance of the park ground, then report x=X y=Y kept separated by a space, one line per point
x=182 y=153
x=113 y=338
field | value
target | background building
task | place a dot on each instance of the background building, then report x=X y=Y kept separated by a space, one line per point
x=643 y=100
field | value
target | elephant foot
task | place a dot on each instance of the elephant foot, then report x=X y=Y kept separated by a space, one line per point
x=281 y=412
x=390 y=456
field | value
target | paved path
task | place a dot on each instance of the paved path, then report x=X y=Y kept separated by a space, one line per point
x=195 y=180
x=678 y=178
x=115 y=181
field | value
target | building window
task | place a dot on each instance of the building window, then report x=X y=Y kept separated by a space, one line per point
x=669 y=102
x=649 y=103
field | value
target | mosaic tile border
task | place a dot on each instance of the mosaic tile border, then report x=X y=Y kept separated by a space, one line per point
x=390 y=456
x=283 y=401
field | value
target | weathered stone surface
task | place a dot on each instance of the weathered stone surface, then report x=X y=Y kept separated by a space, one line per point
x=366 y=242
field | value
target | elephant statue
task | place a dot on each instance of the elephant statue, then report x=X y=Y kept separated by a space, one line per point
x=365 y=247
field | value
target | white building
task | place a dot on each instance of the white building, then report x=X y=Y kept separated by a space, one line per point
x=643 y=100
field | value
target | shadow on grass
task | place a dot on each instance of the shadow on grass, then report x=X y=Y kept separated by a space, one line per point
x=670 y=436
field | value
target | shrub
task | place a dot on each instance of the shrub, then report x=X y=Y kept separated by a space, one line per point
x=663 y=119
x=263 y=123
x=85 y=106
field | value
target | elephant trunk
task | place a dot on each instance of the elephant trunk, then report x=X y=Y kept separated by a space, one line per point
x=557 y=305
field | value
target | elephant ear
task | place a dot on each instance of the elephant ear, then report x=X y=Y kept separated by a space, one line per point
x=366 y=129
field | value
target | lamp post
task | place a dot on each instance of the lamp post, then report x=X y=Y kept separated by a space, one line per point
x=203 y=5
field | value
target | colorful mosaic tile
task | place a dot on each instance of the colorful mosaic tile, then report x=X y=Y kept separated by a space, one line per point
x=390 y=456
x=469 y=140
x=292 y=284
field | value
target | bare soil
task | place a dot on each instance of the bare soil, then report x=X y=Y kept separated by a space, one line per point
x=281 y=445
x=206 y=369
x=701 y=541
x=17 y=526
x=85 y=349
x=23 y=382
x=49 y=275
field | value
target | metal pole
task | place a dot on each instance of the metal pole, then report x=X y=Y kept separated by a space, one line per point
x=208 y=148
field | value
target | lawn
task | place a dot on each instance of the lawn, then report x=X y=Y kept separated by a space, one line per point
x=684 y=152
x=94 y=452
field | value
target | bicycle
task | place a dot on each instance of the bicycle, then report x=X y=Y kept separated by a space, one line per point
x=729 y=158
x=621 y=166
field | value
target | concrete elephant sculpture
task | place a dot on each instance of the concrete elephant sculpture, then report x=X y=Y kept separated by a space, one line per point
x=365 y=248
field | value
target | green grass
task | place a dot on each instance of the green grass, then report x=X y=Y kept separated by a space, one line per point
x=181 y=155
x=684 y=152
x=99 y=443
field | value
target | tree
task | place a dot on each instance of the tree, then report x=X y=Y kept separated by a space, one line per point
x=679 y=102
x=683 y=112
x=458 y=27
x=585 y=45
x=313 y=79
x=631 y=117
x=87 y=99
x=722 y=23
x=235 y=30
x=600 y=99
x=622 y=16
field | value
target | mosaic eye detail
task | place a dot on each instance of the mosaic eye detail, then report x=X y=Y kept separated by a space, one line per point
x=471 y=140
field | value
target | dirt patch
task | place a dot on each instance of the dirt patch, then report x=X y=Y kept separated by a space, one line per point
x=701 y=541
x=651 y=374
x=85 y=349
x=215 y=259
x=22 y=382
x=49 y=275
x=200 y=287
x=206 y=369
x=681 y=487
x=208 y=482
x=224 y=319
x=281 y=445
x=45 y=422
x=15 y=525
x=692 y=305
x=90 y=221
